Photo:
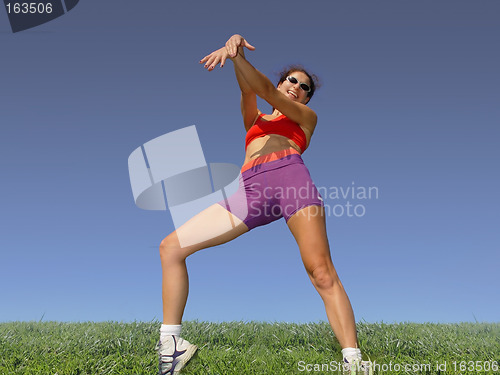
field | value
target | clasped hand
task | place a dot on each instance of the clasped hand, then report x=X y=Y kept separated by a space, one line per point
x=230 y=50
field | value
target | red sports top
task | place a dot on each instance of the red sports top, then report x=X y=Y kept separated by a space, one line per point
x=280 y=125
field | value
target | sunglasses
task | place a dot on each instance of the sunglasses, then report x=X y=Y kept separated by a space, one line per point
x=303 y=86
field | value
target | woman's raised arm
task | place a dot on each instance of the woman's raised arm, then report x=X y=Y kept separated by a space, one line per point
x=263 y=87
x=249 y=108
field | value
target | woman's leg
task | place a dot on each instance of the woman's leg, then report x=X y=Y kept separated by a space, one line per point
x=213 y=226
x=309 y=229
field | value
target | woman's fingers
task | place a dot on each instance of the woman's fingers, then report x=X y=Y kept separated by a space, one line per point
x=204 y=59
x=211 y=62
x=223 y=61
x=235 y=42
x=230 y=50
x=221 y=55
x=215 y=58
x=214 y=63
x=232 y=47
x=248 y=45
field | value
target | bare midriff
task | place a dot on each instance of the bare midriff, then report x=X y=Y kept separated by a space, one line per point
x=268 y=144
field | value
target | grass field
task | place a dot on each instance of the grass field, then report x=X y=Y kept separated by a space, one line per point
x=238 y=348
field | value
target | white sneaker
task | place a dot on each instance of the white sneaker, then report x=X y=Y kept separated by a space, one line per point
x=353 y=366
x=174 y=352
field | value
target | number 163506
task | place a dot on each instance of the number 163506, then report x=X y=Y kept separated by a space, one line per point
x=26 y=8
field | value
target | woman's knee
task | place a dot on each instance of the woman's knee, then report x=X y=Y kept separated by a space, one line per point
x=324 y=276
x=170 y=249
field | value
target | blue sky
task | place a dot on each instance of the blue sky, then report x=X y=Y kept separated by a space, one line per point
x=409 y=104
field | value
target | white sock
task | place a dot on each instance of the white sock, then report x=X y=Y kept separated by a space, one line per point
x=170 y=330
x=351 y=353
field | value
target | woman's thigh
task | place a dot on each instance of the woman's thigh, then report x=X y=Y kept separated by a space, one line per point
x=308 y=227
x=211 y=227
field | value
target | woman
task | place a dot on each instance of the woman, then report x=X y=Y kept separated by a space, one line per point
x=272 y=163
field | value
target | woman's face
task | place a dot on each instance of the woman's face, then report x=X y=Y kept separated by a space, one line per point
x=293 y=90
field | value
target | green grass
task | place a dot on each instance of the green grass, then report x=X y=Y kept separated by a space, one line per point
x=238 y=348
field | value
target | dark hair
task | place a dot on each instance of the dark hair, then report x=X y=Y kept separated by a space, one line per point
x=313 y=79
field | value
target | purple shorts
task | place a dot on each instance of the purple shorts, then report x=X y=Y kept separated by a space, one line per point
x=272 y=186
